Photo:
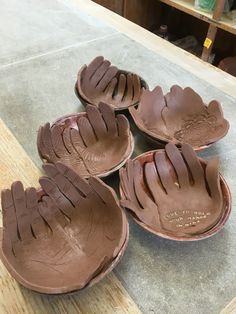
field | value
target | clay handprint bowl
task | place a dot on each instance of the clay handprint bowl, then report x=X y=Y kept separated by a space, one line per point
x=179 y=117
x=95 y=142
x=174 y=194
x=63 y=237
x=102 y=82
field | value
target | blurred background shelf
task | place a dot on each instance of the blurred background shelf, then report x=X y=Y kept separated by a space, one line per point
x=188 y=7
x=214 y=32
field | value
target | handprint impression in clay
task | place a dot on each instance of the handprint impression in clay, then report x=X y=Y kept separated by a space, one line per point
x=99 y=142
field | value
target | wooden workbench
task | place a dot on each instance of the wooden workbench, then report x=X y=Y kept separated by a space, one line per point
x=109 y=296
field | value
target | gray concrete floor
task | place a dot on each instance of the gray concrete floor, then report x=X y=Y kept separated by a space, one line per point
x=43 y=44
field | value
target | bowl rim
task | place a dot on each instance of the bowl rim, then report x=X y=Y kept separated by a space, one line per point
x=227 y=207
x=98 y=277
x=162 y=143
x=115 y=261
x=159 y=139
x=86 y=103
x=61 y=122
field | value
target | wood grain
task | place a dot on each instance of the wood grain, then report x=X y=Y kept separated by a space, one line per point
x=145 y=13
x=230 y=308
x=109 y=296
x=113 y=5
x=212 y=30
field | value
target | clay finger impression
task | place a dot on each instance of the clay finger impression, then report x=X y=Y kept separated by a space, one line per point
x=180 y=116
x=99 y=81
x=95 y=142
x=192 y=199
x=47 y=243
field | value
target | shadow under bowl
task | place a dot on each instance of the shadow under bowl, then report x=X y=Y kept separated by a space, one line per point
x=157 y=142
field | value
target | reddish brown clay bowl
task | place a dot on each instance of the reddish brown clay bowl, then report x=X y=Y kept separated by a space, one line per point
x=152 y=224
x=119 y=88
x=95 y=142
x=228 y=65
x=179 y=117
x=63 y=237
x=110 y=266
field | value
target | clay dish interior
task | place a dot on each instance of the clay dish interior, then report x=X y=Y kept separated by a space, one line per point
x=95 y=142
x=102 y=82
x=63 y=237
x=174 y=194
x=179 y=117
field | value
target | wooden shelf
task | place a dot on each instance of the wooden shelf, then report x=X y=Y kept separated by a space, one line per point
x=187 y=6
